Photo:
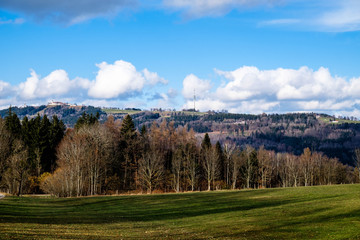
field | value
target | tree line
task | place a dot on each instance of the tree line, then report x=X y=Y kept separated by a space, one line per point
x=38 y=155
x=27 y=150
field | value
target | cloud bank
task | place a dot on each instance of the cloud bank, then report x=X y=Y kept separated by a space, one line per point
x=243 y=90
x=115 y=82
x=251 y=90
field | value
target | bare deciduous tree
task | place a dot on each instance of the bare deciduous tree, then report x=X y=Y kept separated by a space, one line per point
x=229 y=148
x=151 y=170
x=237 y=161
x=306 y=166
x=83 y=155
x=18 y=168
x=191 y=164
x=357 y=160
x=177 y=162
x=250 y=164
x=211 y=165
x=293 y=169
x=265 y=167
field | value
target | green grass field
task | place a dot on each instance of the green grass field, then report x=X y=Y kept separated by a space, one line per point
x=338 y=121
x=324 y=212
x=119 y=111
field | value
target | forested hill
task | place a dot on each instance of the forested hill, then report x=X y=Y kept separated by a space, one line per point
x=67 y=113
x=280 y=132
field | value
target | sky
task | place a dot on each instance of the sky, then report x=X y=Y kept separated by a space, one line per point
x=243 y=56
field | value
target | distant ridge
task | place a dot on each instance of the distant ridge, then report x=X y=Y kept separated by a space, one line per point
x=291 y=132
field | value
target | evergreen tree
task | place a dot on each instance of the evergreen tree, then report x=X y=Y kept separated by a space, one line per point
x=26 y=131
x=128 y=130
x=12 y=123
x=44 y=144
x=129 y=149
x=206 y=143
x=41 y=137
x=57 y=132
x=144 y=140
x=87 y=119
x=143 y=130
x=5 y=147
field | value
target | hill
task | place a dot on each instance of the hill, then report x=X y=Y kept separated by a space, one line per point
x=322 y=212
x=290 y=132
x=66 y=112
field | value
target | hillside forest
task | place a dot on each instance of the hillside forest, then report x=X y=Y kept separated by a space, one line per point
x=336 y=137
x=41 y=155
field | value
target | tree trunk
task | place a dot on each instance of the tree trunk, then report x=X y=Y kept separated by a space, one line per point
x=177 y=181
x=20 y=185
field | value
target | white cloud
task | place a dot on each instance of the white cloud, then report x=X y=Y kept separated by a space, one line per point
x=83 y=82
x=280 y=84
x=100 y=103
x=353 y=88
x=251 y=90
x=28 y=88
x=116 y=80
x=200 y=8
x=354 y=113
x=172 y=93
x=5 y=89
x=343 y=17
x=206 y=104
x=191 y=83
x=324 y=105
x=320 y=15
x=57 y=83
x=6 y=102
x=113 y=85
x=153 y=78
x=246 y=89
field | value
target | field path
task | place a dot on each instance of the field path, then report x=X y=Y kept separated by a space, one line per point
x=1 y=196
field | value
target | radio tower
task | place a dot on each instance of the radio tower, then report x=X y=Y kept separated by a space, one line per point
x=194 y=100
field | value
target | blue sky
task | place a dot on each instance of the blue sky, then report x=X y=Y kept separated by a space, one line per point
x=244 y=56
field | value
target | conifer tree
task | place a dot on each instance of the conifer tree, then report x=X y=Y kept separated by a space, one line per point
x=12 y=123
x=128 y=148
x=206 y=143
x=86 y=119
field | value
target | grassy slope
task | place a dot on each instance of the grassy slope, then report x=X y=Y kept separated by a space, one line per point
x=339 y=121
x=327 y=212
x=119 y=111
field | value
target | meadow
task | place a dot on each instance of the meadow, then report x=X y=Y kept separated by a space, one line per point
x=319 y=212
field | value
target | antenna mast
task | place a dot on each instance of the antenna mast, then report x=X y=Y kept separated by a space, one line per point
x=194 y=100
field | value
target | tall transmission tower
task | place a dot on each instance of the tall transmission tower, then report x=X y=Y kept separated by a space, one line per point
x=194 y=100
